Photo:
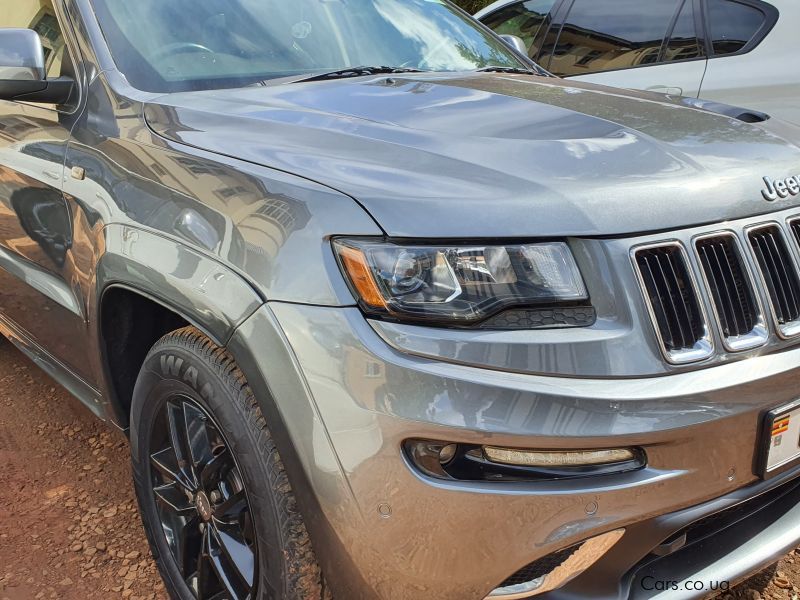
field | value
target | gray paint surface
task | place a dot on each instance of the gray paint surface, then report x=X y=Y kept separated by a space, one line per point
x=221 y=206
x=492 y=155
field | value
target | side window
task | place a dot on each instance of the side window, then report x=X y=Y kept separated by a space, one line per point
x=603 y=35
x=732 y=25
x=523 y=19
x=40 y=16
x=683 y=43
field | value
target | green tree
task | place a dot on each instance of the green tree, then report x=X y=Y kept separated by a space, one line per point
x=472 y=6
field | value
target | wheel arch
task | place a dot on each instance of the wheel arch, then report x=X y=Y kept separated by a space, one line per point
x=148 y=285
x=194 y=289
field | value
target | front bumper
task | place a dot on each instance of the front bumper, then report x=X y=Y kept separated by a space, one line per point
x=724 y=541
x=348 y=401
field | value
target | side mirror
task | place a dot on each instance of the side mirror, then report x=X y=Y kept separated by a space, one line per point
x=23 y=75
x=515 y=42
x=21 y=55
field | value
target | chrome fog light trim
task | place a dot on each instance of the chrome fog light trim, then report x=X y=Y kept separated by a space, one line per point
x=565 y=458
x=584 y=557
x=472 y=462
x=523 y=590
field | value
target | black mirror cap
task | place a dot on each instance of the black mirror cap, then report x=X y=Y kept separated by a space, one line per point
x=50 y=91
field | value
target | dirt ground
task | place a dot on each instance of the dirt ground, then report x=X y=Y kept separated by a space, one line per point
x=69 y=528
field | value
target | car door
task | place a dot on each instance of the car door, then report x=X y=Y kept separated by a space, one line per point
x=750 y=63
x=39 y=303
x=639 y=44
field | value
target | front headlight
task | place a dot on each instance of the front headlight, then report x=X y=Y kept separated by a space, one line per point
x=458 y=284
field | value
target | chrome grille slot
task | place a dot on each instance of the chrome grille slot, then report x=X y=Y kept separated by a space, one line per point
x=794 y=225
x=779 y=276
x=734 y=300
x=673 y=302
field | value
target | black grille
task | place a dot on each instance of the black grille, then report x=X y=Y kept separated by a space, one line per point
x=540 y=568
x=795 y=227
x=716 y=522
x=777 y=269
x=543 y=318
x=714 y=536
x=728 y=283
x=672 y=298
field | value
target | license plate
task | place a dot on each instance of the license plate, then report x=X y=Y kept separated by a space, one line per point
x=780 y=439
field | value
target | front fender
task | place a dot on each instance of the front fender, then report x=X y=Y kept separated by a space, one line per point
x=318 y=478
x=197 y=287
x=225 y=307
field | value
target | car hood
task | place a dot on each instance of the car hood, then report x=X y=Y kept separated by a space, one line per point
x=495 y=155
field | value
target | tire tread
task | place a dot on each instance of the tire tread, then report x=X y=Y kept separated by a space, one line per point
x=304 y=580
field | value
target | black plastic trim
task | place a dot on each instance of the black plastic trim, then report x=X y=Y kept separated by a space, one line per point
x=50 y=91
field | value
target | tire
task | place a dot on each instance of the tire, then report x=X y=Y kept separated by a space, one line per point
x=230 y=495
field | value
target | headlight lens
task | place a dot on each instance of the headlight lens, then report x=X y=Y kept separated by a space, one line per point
x=458 y=283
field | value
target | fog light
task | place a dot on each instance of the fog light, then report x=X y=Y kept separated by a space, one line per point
x=448 y=453
x=567 y=458
x=470 y=462
x=555 y=570
x=431 y=457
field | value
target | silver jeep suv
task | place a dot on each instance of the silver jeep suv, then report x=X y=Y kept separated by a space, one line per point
x=389 y=313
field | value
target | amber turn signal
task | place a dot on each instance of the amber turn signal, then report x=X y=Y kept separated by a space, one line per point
x=355 y=263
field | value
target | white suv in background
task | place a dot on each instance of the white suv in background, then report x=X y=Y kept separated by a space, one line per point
x=739 y=52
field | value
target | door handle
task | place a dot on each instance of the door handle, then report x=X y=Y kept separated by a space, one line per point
x=666 y=89
x=52 y=175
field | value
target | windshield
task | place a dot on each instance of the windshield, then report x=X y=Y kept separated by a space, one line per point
x=175 y=45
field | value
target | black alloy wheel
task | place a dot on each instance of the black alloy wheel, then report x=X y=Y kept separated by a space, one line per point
x=202 y=503
x=215 y=499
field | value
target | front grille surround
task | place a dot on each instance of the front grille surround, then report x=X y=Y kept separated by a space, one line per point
x=745 y=338
x=703 y=342
x=770 y=269
x=787 y=327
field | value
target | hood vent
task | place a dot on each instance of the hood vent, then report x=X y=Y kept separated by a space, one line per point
x=745 y=115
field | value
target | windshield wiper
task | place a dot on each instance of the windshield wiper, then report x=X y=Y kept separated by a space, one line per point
x=500 y=69
x=359 y=71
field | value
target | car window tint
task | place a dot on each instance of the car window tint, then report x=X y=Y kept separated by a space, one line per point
x=523 y=19
x=602 y=35
x=683 y=43
x=732 y=25
x=40 y=16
